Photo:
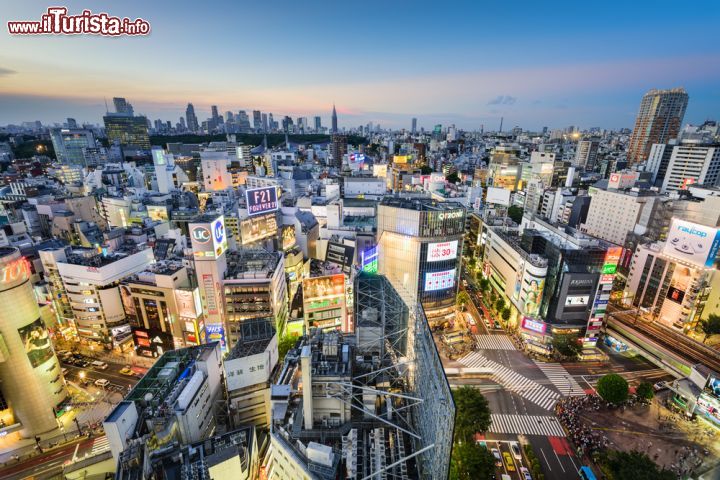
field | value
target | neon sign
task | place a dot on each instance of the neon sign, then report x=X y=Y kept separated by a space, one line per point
x=14 y=271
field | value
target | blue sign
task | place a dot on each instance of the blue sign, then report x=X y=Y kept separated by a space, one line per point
x=215 y=333
x=262 y=200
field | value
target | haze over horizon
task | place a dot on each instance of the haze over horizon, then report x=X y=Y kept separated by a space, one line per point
x=464 y=64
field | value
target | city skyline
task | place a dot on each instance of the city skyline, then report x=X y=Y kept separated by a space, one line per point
x=471 y=72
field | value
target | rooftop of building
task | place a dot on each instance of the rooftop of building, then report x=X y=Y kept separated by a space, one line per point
x=420 y=204
x=92 y=257
x=189 y=461
x=513 y=239
x=251 y=263
x=255 y=335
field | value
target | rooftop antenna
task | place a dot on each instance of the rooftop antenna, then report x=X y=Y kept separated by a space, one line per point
x=106 y=107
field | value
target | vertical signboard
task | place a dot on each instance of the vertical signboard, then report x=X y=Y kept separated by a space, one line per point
x=599 y=307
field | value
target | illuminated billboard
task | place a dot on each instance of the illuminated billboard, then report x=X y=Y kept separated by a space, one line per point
x=258 y=228
x=380 y=170
x=219 y=236
x=534 y=325
x=370 y=260
x=215 y=333
x=439 y=280
x=262 y=200
x=692 y=243
x=187 y=303
x=324 y=302
x=288 y=237
x=401 y=159
x=442 y=251
x=499 y=196
x=37 y=343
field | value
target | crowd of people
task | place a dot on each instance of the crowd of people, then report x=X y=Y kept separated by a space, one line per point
x=586 y=440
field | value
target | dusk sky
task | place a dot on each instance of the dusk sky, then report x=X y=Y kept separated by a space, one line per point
x=468 y=63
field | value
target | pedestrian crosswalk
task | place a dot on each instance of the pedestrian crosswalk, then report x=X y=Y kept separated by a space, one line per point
x=526 y=425
x=563 y=381
x=513 y=381
x=494 y=342
x=100 y=445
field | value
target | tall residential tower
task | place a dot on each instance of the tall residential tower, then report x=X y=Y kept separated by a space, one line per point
x=659 y=120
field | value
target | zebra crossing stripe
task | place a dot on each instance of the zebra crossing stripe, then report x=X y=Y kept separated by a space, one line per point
x=544 y=425
x=494 y=342
x=100 y=445
x=513 y=381
x=563 y=381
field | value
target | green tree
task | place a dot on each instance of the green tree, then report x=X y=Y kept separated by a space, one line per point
x=453 y=178
x=613 y=388
x=425 y=170
x=472 y=413
x=645 y=391
x=635 y=465
x=483 y=283
x=472 y=261
x=505 y=314
x=566 y=345
x=515 y=213
x=285 y=344
x=470 y=461
x=462 y=298
x=499 y=304
x=710 y=326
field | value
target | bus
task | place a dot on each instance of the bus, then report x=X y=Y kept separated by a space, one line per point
x=587 y=474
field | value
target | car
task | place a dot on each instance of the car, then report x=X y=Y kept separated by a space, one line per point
x=99 y=365
x=525 y=473
x=82 y=363
x=498 y=458
x=659 y=386
x=496 y=324
x=127 y=371
x=509 y=464
x=102 y=382
x=516 y=450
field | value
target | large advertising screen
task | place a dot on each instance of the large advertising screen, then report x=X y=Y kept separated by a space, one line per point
x=439 y=280
x=340 y=254
x=37 y=343
x=442 y=251
x=186 y=303
x=321 y=288
x=157 y=212
x=692 y=242
x=215 y=333
x=262 y=200
x=258 y=228
x=288 y=237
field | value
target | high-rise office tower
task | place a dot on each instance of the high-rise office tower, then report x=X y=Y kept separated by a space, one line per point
x=71 y=123
x=214 y=111
x=264 y=122
x=229 y=117
x=318 y=124
x=414 y=126
x=257 y=120
x=334 y=120
x=586 y=154
x=70 y=144
x=192 y=122
x=123 y=106
x=31 y=382
x=127 y=131
x=659 y=119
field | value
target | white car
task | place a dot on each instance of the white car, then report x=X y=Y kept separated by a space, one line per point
x=516 y=450
x=525 y=473
x=102 y=382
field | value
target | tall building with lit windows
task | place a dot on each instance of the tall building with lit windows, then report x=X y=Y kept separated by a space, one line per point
x=419 y=249
x=659 y=120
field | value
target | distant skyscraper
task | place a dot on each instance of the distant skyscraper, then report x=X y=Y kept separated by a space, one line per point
x=338 y=149
x=182 y=123
x=659 y=120
x=72 y=123
x=70 y=144
x=192 y=122
x=318 y=123
x=414 y=126
x=257 y=120
x=123 y=106
x=214 y=111
x=264 y=122
x=586 y=154
x=334 y=120
x=229 y=117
